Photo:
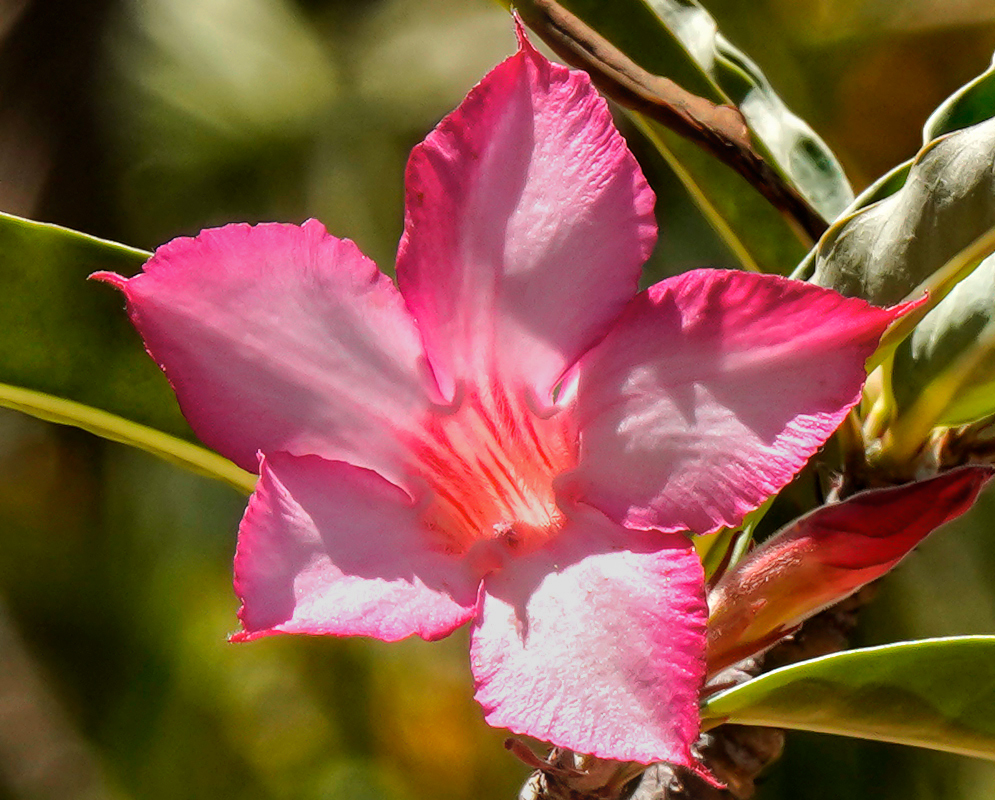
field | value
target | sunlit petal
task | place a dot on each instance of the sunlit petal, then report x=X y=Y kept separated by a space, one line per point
x=595 y=643
x=328 y=548
x=281 y=337
x=526 y=225
x=712 y=390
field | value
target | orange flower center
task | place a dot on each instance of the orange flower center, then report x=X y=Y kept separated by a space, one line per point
x=489 y=464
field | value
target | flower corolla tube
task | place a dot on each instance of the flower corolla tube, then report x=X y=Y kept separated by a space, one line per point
x=513 y=436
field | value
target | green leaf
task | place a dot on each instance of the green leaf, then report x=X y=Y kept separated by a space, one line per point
x=949 y=360
x=70 y=355
x=942 y=373
x=889 y=249
x=790 y=145
x=925 y=227
x=974 y=102
x=970 y=105
x=678 y=39
x=752 y=230
x=117 y=429
x=935 y=693
x=853 y=255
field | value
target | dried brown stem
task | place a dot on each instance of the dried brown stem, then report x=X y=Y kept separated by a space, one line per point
x=719 y=129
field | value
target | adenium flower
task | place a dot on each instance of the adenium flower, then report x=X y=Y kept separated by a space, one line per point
x=512 y=437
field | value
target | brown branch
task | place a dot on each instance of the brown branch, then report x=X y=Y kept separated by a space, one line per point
x=565 y=775
x=720 y=130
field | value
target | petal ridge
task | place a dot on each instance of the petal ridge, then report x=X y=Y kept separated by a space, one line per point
x=595 y=643
x=282 y=337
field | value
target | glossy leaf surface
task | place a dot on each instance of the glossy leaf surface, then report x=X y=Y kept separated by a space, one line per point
x=884 y=251
x=970 y=105
x=935 y=693
x=751 y=229
x=949 y=360
x=941 y=373
x=794 y=148
x=974 y=102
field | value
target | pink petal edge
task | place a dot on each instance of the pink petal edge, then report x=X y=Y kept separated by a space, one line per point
x=710 y=393
x=329 y=548
x=527 y=221
x=282 y=338
x=595 y=643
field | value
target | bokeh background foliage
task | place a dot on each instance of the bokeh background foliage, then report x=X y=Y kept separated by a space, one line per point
x=140 y=120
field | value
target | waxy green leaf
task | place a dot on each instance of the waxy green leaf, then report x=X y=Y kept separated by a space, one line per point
x=935 y=693
x=752 y=230
x=888 y=250
x=110 y=426
x=927 y=226
x=970 y=105
x=974 y=102
x=948 y=363
x=70 y=355
x=791 y=146
x=942 y=373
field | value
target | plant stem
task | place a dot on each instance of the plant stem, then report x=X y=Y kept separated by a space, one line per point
x=721 y=130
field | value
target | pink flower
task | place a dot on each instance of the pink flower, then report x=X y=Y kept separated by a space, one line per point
x=513 y=437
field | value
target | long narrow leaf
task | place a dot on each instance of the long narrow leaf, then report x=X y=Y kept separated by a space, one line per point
x=791 y=146
x=750 y=228
x=109 y=426
x=680 y=40
x=69 y=354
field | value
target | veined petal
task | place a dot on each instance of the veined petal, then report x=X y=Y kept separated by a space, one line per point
x=827 y=555
x=329 y=548
x=281 y=338
x=527 y=221
x=595 y=643
x=712 y=390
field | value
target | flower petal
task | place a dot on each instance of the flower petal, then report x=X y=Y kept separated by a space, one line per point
x=527 y=222
x=712 y=390
x=281 y=337
x=595 y=643
x=329 y=548
x=826 y=556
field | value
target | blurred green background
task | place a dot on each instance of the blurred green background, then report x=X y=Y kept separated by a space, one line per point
x=139 y=120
